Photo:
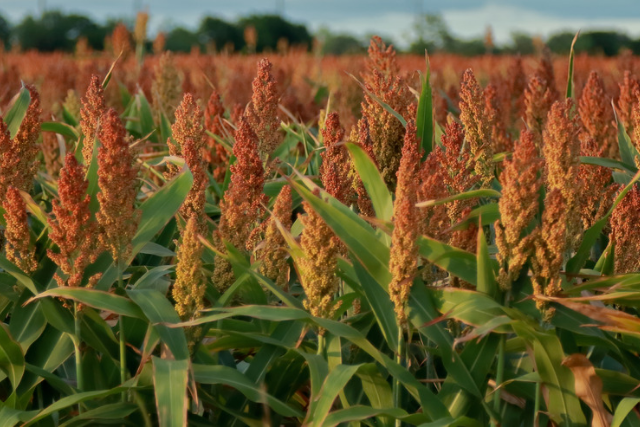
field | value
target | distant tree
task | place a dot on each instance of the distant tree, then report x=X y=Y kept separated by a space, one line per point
x=57 y=31
x=271 y=28
x=339 y=44
x=220 y=32
x=5 y=30
x=181 y=40
x=521 y=43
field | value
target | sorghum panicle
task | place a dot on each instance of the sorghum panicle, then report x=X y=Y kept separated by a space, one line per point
x=189 y=287
x=215 y=154
x=561 y=151
x=165 y=88
x=72 y=229
x=597 y=189
x=597 y=116
x=629 y=90
x=521 y=180
x=93 y=108
x=117 y=179
x=241 y=206
x=403 y=262
x=51 y=153
x=477 y=126
x=360 y=135
x=385 y=130
x=537 y=101
x=18 y=249
x=336 y=162
x=274 y=251
x=550 y=245
x=499 y=137
x=625 y=233
x=263 y=109
x=18 y=162
x=321 y=248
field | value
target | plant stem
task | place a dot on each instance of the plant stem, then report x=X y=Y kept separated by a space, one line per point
x=321 y=344
x=396 y=382
x=499 y=377
x=123 y=342
x=536 y=406
x=77 y=342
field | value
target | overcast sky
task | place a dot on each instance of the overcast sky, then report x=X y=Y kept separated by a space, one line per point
x=393 y=18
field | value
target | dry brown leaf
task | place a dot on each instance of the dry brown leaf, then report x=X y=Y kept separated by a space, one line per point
x=588 y=387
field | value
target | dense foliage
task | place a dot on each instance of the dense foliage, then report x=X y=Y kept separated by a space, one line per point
x=236 y=240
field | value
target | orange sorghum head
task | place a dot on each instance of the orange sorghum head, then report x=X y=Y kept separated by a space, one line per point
x=263 y=109
x=336 y=163
x=215 y=154
x=360 y=135
x=403 y=262
x=629 y=89
x=51 y=153
x=18 y=162
x=72 y=229
x=93 y=108
x=597 y=116
x=188 y=125
x=521 y=181
x=477 y=126
x=499 y=138
x=18 y=249
x=561 y=150
x=537 y=100
x=165 y=88
x=597 y=190
x=118 y=182
x=624 y=232
x=121 y=41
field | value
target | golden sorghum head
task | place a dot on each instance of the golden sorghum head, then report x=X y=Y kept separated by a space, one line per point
x=521 y=180
x=262 y=113
x=477 y=126
x=214 y=153
x=629 y=89
x=597 y=116
x=561 y=150
x=321 y=248
x=537 y=101
x=93 y=108
x=403 y=262
x=18 y=162
x=385 y=130
x=626 y=234
x=189 y=287
x=274 y=251
x=188 y=125
x=241 y=206
x=546 y=73
x=72 y=228
x=165 y=88
x=140 y=30
x=18 y=249
x=117 y=179
x=336 y=163
x=550 y=245
x=72 y=103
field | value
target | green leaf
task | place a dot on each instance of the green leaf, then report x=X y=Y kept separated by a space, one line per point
x=218 y=374
x=107 y=78
x=486 y=275
x=11 y=357
x=381 y=102
x=624 y=408
x=570 y=74
x=608 y=163
x=333 y=384
x=170 y=381
x=109 y=412
x=373 y=182
x=456 y=261
x=628 y=152
x=472 y=194
x=60 y=128
x=424 y=120
x=160 y=312
x=13 y=118
x=96 y=299
x=361 y=413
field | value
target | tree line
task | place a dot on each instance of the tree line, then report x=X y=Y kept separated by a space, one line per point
x=58 y=31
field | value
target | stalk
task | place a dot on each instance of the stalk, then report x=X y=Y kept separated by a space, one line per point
x=76 y=343
x=536 y=405
x=321 y=344
x=397 y=392
x=500 y=367
x=123 y=343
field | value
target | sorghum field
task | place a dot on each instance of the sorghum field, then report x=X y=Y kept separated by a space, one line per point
x=385 y=240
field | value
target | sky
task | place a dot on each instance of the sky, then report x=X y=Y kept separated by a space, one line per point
x=390 y=18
